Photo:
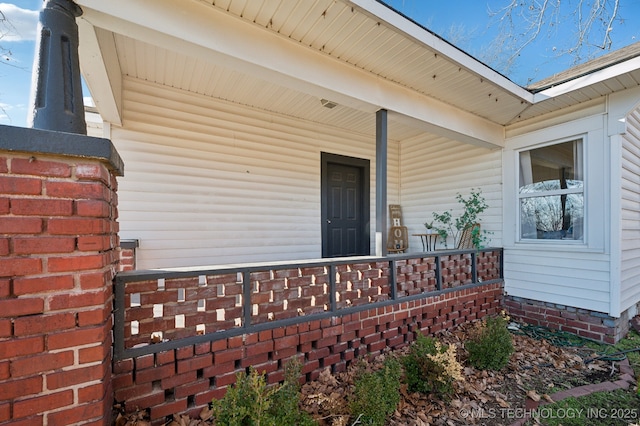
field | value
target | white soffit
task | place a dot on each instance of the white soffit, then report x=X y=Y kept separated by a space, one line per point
x=447 y=50
x=213 y=36
x=286 y=55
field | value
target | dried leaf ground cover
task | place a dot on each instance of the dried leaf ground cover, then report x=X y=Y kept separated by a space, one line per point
x=536 y=370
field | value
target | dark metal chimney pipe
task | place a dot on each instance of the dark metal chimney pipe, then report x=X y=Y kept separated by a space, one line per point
x=56 y=89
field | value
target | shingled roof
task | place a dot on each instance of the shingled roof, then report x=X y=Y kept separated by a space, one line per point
x=589 y=67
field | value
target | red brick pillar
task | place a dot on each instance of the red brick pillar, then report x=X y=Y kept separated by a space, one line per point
x=58 y=257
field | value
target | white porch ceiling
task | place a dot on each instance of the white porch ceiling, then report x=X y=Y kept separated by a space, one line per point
x=343 y=31
x=187 y=73
x=363 y=34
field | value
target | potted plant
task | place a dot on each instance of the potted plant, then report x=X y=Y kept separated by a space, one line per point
x=430 y=228
x=467 y=223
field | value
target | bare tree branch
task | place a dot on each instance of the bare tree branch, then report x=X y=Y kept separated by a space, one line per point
x=5 y=55
x=607 y=40
x=6 y=28
x=522 y=22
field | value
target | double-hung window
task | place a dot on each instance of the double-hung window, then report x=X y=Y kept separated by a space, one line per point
x=551 y=192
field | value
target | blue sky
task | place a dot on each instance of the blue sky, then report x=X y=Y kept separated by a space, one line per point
x=472 y=26
x=475 y=29
x=15 y=73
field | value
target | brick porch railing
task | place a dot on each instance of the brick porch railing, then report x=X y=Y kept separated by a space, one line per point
x=182 y=336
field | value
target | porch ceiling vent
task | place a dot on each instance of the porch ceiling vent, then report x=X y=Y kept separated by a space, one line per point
x=328 y=104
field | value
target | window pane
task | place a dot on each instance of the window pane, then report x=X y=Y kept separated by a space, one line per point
x=551 y=168
x=557 y=217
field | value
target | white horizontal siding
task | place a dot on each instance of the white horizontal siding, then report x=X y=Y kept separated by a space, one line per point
x=210 y=182
x=433 y=170
x=556 y=277
x=569 y=278
x=630 y=204
x=579 y=274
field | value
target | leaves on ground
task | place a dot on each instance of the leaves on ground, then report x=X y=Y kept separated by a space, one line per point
x=536 y=370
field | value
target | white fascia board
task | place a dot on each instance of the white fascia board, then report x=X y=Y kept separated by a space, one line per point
x=589 y=79
x=215 y=36
x=383 y=13
x=99 y=63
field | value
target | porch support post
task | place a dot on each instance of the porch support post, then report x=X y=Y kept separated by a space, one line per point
x=381 y=182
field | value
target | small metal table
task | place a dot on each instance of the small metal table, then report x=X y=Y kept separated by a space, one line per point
x=428 y=240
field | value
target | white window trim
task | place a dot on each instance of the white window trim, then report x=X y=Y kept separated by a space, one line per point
x=584 y=191
x=597 y=183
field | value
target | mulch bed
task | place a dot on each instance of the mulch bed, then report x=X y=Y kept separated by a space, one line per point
x=536 y=370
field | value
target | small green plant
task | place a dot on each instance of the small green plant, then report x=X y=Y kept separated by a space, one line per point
x=431 y=367
x=245 y=403
x=377 y=393
x=473 y=206
x=251 y=403
x=286 y=400
x=490 y=345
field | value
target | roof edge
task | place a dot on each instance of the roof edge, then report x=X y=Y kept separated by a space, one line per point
x=422 y=34
x=601 y=63
x=587 y=79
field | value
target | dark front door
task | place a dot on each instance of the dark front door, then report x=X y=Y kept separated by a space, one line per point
x=345 y=206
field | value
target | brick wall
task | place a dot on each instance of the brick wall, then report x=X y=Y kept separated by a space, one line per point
x=128 y=255
x=582 y=322
x=184 y=380
x=58 y=240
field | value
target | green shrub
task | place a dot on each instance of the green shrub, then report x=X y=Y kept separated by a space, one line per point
x=285 y=408
x=490 y=346
x=251 y=403
x=377 y=393
x=245 y=403
x=431 y=367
